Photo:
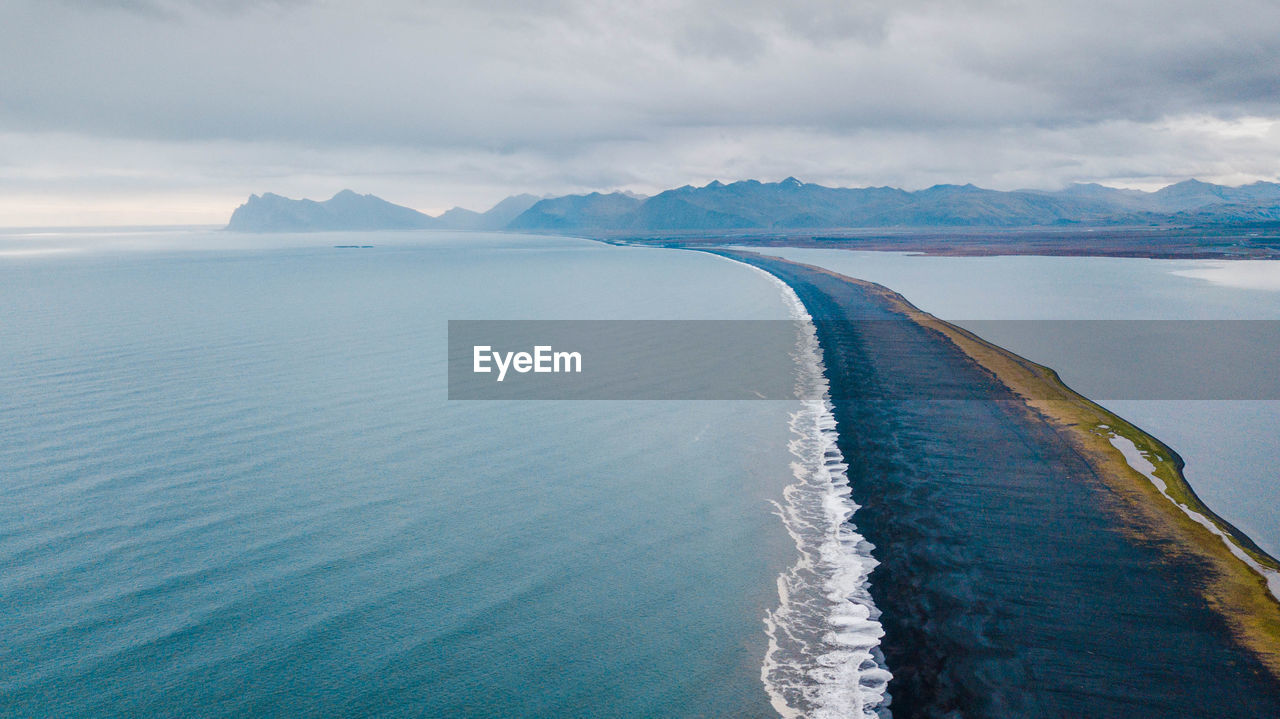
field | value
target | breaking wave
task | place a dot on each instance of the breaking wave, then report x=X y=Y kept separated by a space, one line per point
x=824 y=657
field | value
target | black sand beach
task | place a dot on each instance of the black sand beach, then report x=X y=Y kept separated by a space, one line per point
x=1012 y=584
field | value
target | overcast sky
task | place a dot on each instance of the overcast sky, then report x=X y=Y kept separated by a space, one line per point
x=172 y=111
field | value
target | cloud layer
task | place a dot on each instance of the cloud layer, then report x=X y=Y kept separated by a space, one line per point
x=169 y=110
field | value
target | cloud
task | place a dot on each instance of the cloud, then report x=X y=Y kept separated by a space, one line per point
x=500 y=96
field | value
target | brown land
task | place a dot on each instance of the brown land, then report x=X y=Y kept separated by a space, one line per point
x=1168 y=242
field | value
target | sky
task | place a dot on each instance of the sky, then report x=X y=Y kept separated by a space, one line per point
x=174 y=111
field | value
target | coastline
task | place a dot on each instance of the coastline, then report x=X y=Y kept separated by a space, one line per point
x=1160 y=534
x=823 y=656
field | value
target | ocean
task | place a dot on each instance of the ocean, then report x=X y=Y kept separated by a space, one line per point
x=233 y=485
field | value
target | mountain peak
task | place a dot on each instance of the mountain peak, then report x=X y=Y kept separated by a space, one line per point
x=1187 y=186
x=790 y=182
x=495 y=218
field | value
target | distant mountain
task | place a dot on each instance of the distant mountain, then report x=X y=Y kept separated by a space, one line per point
x=344 y=211
x=1194 y=194
x=1107 y=196
x=967 y=205
x=752 y=204
x=460 y=218
x=792 y=204
x=787 y=205
x=578 y=212
x=1229 y=213
x=496 y=218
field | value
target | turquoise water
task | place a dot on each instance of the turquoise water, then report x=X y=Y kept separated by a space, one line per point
x=1232 y=448
x=233 y=485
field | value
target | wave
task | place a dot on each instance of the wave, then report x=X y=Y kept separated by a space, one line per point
x=824 y=657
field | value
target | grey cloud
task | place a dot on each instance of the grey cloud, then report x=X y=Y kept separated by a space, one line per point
x=448 y=75
x=176 y=9
x=1135 y=60
x=342 y=73
x=558 y=95
x=830 y=21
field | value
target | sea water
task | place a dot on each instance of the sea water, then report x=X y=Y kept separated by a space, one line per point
x=233 y=485
x=1231 y=446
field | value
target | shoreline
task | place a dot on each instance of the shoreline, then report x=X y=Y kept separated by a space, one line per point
x=826 y=620
x=1154 y=522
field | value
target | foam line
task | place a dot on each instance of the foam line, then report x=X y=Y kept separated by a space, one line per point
x=823 y=658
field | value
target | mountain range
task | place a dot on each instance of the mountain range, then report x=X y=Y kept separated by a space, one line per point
x=344 y=211
x=786 y=205
x=349 y=210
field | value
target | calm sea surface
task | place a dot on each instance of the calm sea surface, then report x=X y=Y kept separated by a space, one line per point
x=1232 y=448
x=232 y=485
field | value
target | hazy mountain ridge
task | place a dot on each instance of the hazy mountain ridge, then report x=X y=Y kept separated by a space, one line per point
x=789 y=204
x=349 y=210
x=495 y=218
x=346 y=210
x=595 y=211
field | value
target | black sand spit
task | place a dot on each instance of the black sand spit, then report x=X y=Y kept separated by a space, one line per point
x=1010 y=587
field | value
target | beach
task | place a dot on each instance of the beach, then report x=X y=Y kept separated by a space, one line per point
x=1025 y=567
